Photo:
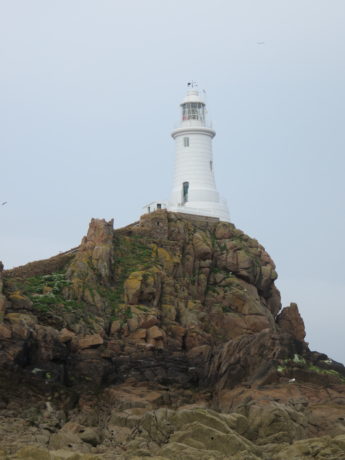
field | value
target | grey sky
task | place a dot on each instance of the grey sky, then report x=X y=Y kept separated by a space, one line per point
x=90 y=92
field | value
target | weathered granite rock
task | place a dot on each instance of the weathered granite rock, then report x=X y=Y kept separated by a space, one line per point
x=3 y=300
x=291 y=322
x=93 y=261
x=90 y=341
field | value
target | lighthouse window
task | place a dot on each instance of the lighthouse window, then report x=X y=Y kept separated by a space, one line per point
x=186 y=141
x=211 y=165
x=193 y=111
x=185 y=191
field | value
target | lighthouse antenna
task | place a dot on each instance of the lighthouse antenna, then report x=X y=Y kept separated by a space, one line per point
x=192 y=84
x=204 y=96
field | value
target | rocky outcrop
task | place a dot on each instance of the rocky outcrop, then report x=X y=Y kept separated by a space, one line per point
x=3 y=300
x=93 y=261
x=290 y=321
x=135 y=425
x=251 y=358
x=163 y=339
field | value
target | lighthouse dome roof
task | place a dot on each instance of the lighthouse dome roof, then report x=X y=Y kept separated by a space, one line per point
x=192 y=96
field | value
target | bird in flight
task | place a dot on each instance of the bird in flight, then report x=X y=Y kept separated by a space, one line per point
x=3 y=203
x=260 y=43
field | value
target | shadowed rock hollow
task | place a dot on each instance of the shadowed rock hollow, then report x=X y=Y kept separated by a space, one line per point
x=163 y=339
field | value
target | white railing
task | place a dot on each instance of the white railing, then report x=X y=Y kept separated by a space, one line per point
x=192 y=124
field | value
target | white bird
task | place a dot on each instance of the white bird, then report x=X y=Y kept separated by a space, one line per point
x=260 y=43
x=292 y=380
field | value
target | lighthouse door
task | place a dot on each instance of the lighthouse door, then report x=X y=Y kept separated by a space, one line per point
x=185 y=188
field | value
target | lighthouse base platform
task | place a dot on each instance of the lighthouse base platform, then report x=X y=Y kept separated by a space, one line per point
x=215 y=210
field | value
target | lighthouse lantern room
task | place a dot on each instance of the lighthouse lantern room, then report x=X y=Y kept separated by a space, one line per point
x=194 y=189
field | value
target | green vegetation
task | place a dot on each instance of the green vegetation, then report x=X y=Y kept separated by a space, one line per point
x=300 y=362
x=297 y=359
x=45 y=292
x=213 y=239
x=281 y=369
x=218 y=270
x=131 y=254
x=222 y=247
x=320 y=370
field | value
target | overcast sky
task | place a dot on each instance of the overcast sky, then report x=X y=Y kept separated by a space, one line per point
x=90 y=91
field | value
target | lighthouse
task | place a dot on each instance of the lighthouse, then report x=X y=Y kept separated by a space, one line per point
x=194 y=188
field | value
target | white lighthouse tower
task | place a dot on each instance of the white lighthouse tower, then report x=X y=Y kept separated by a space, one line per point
x=194 y=189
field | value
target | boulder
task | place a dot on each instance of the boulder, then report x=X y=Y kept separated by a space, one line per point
x=65 y=439
x=90 y=341
x=90 y=436
x=20 y=301
x=202 y=246
x=115 y=327
x=65 y=335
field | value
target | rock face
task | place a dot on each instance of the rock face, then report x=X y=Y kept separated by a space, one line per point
x=92 y=264
x=291 y=321
x=163 y=339
x=2 y=297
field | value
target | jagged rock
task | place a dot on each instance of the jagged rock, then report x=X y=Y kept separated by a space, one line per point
x=3 y=300
x=143 y=330
x=93 y=261
x=250 y=358
x=275 y=423
x=291 y=322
